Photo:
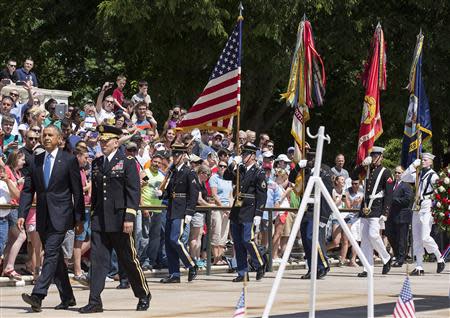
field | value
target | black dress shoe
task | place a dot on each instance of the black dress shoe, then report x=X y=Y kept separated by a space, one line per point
x=90 y=309
x=261 y=272
x=362 y=274
x=34 y=301
x=417 y=272
x=124 y=284
x=144 y=303
x=170 y=280
x=306 y=276
x=192 y=273
x=66 y=304
x=397 y=264
x=321 y=273
x=440 y=267
x=387 y=267
x=240 y=278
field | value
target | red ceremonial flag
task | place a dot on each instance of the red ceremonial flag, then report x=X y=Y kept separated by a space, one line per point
x=374 y=80
x=220 y=99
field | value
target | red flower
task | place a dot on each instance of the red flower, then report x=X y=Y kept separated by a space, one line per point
x=448 y=190
x=438 y=197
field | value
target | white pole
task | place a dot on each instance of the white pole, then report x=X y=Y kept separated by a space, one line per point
x=287 y=252
x=348 y=233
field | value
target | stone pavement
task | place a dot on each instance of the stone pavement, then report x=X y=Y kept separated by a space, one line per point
x=341 y=294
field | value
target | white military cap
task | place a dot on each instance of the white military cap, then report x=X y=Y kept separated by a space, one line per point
x=376 y=150
x=427 y=155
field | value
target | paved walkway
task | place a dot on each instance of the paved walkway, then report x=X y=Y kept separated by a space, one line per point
x=341 y=294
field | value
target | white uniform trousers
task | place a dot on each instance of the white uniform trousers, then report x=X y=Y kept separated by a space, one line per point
x=421 y=229
x=371 y=240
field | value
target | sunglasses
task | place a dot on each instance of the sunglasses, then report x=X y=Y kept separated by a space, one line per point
x=109 y=101
x=398 y=172
x=13 y=95
x=36 y=130
x=222 y=166
x=36 y=102
x=10 y=65
x=33 y=138
x=270 y=146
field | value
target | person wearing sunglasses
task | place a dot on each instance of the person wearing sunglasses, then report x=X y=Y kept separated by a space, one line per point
x=31 y=141
x=9 y=72
x=25 y=74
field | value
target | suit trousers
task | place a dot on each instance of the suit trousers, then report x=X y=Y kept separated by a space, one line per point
x=398 y=238
x=102 y=244
x=306 y=231
x=371 y=240
x=421 y=229
x=244 y=242
x=54 y=268
x=175 y=248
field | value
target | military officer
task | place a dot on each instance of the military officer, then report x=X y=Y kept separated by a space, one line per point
x=377 y=202
x=182 y=194
x=247 y=210
x=422 y=219
x=306 y=227
x=115 y=199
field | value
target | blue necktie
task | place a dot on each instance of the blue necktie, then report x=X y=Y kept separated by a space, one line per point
x=47 y=169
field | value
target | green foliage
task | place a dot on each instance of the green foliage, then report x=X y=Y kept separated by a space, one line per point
x=173 y=44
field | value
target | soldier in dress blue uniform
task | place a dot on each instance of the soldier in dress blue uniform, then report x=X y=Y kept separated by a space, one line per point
x=306 y=227
x=247 y=210
x=182 y=194
x=377 y=202
x=115 y=200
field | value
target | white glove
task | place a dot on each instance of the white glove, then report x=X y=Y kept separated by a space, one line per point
x=237 y=159
x=187 y=219
x=383 y=218
x=257 y=223
x=367 y=161
x=158 y=193
x=302 y=163
x=417 y=163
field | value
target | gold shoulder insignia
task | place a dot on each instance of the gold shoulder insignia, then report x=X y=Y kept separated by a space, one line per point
x=101 y=128
x=130 y=157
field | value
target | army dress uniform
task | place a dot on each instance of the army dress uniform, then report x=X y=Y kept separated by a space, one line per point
x=249 y=203
x=422 y=219
x=182 y=194
x=306 y=227
x=378 y=198
x=115 y=199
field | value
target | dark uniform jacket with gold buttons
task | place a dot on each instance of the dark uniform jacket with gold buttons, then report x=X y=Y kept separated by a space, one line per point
x=182 y=193
x=380 y=206
x=115 y=192
x=252 y=196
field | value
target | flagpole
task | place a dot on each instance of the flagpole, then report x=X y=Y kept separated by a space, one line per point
x=303 y=135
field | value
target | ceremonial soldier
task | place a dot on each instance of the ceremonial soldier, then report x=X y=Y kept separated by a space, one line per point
x=182 y=193
x=377 y=202
x=247 y=210
x=306 y=227
x=422 y=219
x=115 y=200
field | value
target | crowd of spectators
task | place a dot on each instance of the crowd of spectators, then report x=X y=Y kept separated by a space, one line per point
x=149 y=142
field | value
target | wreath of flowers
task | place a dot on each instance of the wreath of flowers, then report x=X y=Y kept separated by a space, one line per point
x=441 y=196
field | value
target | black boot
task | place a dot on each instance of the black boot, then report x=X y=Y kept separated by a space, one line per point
x=440 y=267
x=192 y=273
x=144 y=303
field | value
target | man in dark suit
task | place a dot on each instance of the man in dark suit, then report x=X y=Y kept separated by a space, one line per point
x=400 y=216
x=247 y=210
x=114 y=201
x=54 y=176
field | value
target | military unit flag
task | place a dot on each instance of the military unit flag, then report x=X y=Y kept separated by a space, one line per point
x=374 y=80
x=306 y=87
x=418 y=120
x=220 y=99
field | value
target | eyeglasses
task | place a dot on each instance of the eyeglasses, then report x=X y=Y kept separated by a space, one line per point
x=36 y=130
x=36 y=102
x=13 y=95
x=222 y=166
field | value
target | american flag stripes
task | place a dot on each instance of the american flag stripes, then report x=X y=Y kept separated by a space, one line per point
x=220 y=99
x=240 y=307
x=404 y=308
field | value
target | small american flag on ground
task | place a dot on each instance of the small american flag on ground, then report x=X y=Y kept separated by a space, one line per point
x=404 y=308
x=240 y=307
x=220 y=99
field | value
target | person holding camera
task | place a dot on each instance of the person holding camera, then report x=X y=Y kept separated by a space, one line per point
x=104 y=108
x=174 y=117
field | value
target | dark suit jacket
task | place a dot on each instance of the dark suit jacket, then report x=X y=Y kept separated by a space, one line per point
x=62 y=203
x=402 y=198
x=115 y=193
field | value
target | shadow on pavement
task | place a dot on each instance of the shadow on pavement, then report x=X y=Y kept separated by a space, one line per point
x=421 y=303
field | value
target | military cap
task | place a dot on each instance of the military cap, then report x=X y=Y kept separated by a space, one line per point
x=377 y=150
x=249 y=148
x=178 y=148
x=427 y=155
x=108 y=132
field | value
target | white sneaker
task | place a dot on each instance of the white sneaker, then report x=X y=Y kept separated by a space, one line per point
x=108 y=279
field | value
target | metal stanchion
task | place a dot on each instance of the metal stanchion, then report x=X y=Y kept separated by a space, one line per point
x=270 y=245
x=208 y=242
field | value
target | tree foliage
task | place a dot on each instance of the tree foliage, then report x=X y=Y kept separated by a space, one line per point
x=174 y=44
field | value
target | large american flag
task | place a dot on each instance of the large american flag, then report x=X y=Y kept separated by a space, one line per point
x=220 y=99
x=404 y=308
x=240 y=307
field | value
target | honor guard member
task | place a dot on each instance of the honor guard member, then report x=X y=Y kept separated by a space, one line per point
x=422 y=219
x=182 y=194
x=377 y=202
x=115 y=199
x=306 y=227
x=247 y=210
